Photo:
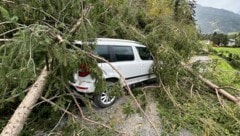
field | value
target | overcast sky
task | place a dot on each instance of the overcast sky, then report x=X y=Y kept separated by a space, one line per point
x=231 y=5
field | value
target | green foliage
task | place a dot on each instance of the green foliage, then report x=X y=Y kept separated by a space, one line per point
x=199 y=113
x=21 y=59
x=44 y=115
x=128 y=109
x=4 y=13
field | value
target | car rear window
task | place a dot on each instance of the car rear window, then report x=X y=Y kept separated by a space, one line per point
x=144 y=53
x=103 y=51
x=123 y=53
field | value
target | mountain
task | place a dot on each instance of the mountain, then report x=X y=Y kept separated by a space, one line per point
x=211 y=20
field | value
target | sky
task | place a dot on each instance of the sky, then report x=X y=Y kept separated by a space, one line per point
x=231 y=5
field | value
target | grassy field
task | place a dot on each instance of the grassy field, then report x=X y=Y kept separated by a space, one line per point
x=224 y=74
x=230 y=50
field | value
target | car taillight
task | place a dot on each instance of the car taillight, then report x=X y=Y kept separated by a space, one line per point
x=83 y=71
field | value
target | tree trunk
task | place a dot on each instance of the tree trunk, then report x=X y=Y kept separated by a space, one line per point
x=220 y=91
x=17 y=121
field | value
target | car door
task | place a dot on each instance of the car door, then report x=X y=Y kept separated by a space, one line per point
x=126 y=62
x=146 y=61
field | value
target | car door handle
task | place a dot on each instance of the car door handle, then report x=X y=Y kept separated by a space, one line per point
x=118 y=68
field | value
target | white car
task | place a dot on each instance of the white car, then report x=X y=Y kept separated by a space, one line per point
x=130 y=58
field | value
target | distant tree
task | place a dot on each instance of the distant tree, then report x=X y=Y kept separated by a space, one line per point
x=238 y=40
x=185 y=10
x=219 y=39
x=192 y=4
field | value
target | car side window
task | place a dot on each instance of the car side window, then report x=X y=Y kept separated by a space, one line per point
x=123 y=53
x=144 y=53
x=103 y=51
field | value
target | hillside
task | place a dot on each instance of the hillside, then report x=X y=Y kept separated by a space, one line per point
x=217 y=20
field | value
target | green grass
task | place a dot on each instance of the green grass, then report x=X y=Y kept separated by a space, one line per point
x=230 y=50
x=223 y=74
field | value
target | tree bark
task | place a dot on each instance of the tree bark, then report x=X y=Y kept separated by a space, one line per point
x=17 y=121
x=5 y=40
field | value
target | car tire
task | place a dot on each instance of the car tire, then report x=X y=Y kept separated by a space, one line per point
x=103 y=99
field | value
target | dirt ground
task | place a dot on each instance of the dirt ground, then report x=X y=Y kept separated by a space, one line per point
x=135 y=124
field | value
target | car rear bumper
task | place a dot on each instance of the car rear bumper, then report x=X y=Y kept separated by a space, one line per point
x=83 y=87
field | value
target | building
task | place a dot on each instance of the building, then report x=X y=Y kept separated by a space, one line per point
x=231 y=42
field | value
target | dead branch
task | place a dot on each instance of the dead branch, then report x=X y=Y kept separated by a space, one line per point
x=191 y=90
x=59 y=120
x=5 y=40
x=8 y=1
x=89 y=120
x=219 y=99
x=50 y=99
x=60 y=108
x=169 y=94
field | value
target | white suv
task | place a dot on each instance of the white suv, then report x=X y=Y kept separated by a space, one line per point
x=130 y=58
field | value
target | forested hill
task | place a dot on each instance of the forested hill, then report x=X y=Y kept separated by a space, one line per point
x=217 y=20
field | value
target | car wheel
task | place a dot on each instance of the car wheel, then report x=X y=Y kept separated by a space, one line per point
x=103 y=99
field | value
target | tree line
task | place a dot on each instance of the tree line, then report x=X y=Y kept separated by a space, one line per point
x=221 y=39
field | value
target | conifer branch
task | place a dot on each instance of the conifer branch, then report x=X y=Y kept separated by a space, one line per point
x=57 y=106
x=15 y=29
x=3 y=23
x=8 y=1
x=5 y=40
x=59 y=121
x=85 y=12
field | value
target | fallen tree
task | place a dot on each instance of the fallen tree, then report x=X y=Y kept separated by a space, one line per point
x=18 y=119
x=220 y=90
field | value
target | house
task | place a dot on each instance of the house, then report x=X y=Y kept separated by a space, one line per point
x=207 y=42
x=231 y=42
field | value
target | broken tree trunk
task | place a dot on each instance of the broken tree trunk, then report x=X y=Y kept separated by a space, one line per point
x=215 y=87
x=17 y=121
x=220 y=91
